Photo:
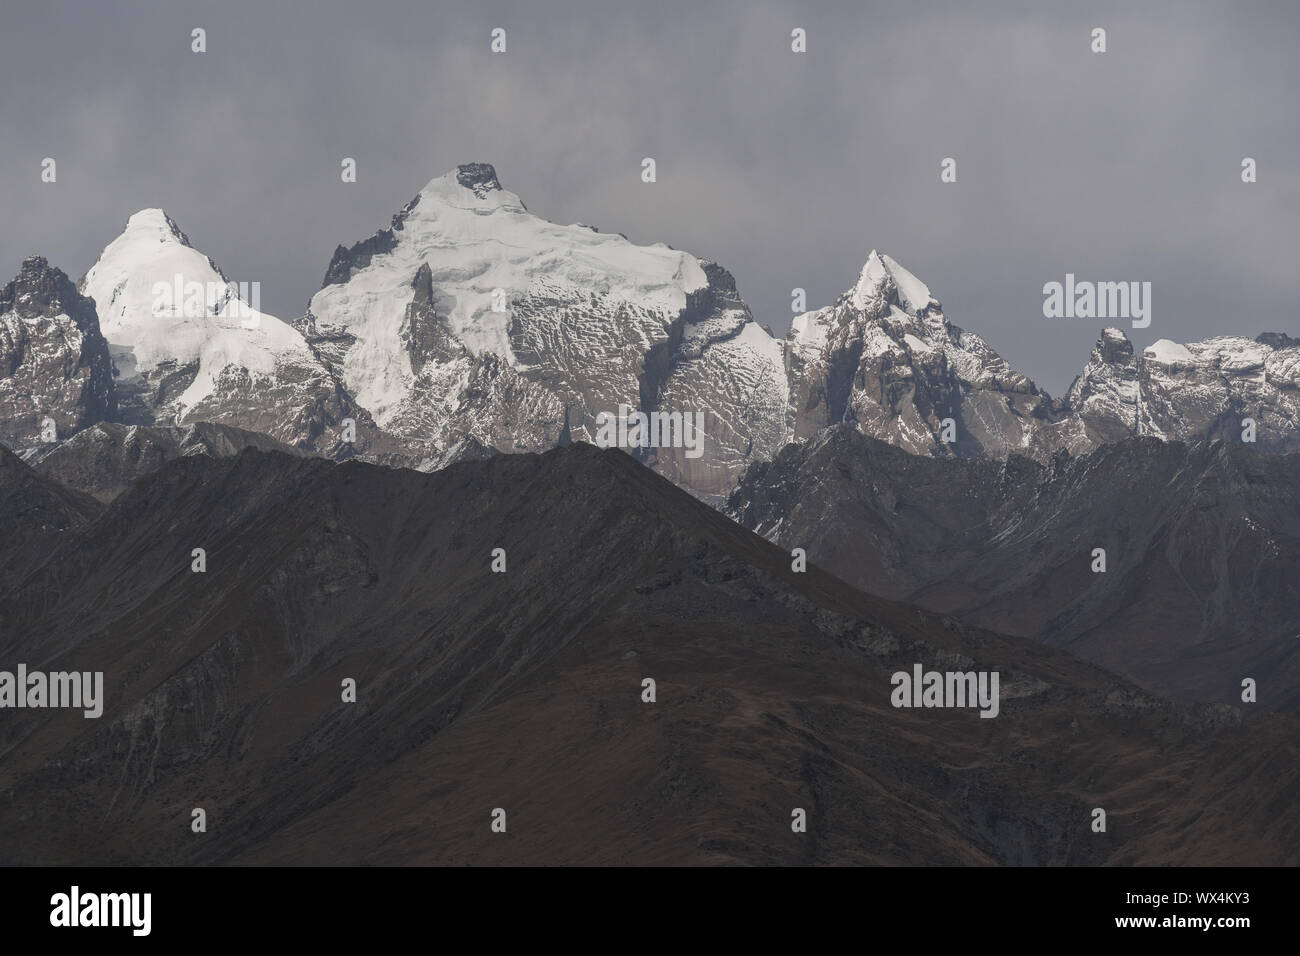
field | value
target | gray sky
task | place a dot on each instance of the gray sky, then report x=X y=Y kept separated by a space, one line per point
x=786 y=168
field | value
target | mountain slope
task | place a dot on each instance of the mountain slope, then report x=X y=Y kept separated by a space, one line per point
x=38 y=513
x=1202 y=549
x=522 y=690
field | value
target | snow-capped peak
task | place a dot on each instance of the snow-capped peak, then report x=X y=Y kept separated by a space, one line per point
x=486 y=256
x=1168 y=353
x=470 y=316
x=883 y=279
x=155 y=223
x=472 y=186
x=913 y=294
x=165 y=307
x=874 y=285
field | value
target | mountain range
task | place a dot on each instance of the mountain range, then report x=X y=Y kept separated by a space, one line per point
x=470 y=319
x=234 y=516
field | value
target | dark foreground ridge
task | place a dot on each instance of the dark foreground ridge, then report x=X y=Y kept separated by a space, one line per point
x=523 y=690
x=106 y=459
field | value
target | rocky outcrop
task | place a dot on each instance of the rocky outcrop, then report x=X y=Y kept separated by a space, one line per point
x=56 y=376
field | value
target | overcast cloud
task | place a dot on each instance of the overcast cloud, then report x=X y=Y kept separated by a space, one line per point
x=785 y=168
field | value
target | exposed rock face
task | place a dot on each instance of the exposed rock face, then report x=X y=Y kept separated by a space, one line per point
x=1205 y=389
x=1198 y=391
x=886 y=361
x=54 y=361
x=479 y=178
x=347 y=260
x=1202 y=548
x=1105 y=398
x=718 y=360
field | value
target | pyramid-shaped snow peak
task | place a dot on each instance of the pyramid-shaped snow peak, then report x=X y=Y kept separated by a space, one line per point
x=882 y=280
x=189 y=344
